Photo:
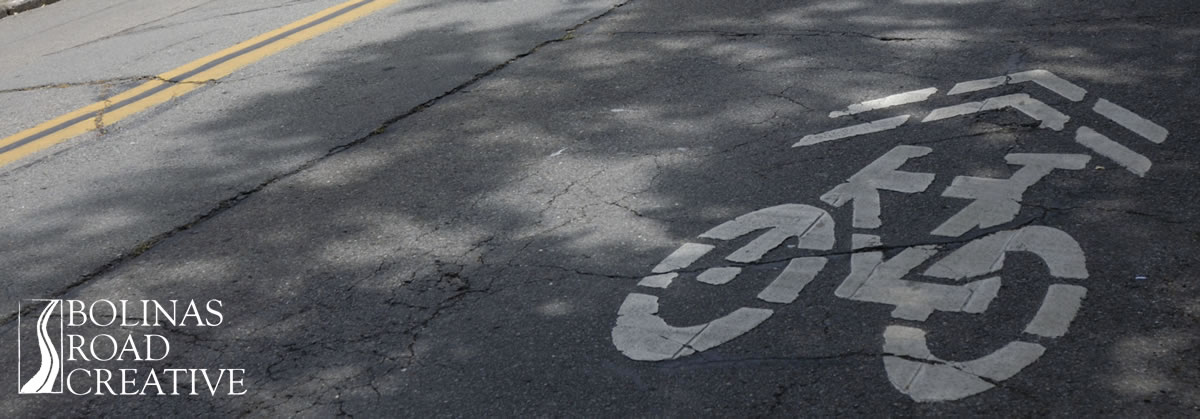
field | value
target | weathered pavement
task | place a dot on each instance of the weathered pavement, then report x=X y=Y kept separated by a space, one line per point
x=470 y=257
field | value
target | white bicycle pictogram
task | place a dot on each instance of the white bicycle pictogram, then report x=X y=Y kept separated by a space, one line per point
x=911 y=367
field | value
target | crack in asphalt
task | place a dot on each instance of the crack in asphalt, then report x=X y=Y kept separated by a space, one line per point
x=76 y=84
x=618 y=204
x=807 y=34
x=687 y=363
x=957 y=365
x=123 y=32
x=573 y=271
x=1162 y=218
x=105 y=83
x=414 y=332
x=242 y=12
x=1062 y=20
x=782 y=94
x=146 y=26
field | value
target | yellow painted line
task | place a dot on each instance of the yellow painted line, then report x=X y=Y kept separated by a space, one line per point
x=180 y=81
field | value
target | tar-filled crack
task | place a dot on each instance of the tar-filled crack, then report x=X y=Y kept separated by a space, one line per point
x=99 y=121
x=233 y=201
x=701 y=362
x=804 y=34
x=174 y=81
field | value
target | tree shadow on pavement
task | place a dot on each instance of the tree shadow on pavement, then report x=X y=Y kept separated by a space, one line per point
x=469 y=258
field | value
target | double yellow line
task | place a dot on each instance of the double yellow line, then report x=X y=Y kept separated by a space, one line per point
x=180 y=81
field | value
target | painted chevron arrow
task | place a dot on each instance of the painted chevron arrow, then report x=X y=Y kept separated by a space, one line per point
x=1049 y=117
x=1041 y=77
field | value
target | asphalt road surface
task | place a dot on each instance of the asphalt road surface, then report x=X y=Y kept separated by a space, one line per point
x=600 y=208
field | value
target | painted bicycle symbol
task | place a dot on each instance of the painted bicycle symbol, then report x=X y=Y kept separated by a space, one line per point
x=911 y=367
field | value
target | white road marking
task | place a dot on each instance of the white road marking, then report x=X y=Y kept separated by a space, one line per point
x=718 y=276
x=853 y=131
x=1134 y=122
x=1006 y=362
x=940 y=380
x=887 y=102
x=1102 y=145
x=1036 y=109
x=1061 y=253
x=726 y=328
x=953 y=111
x=863 y=241
x=820 y=236
x=977 y=85
x=1058 y=310
x=658 y=281
x=869 y=267
x=913 y=300
x=812 y=226
x=862 y=265
x=642 y=335
x=1042 y=77
x=982 y=294
x=908 y=342
x=682 y=257
x=787 y=286
x=998 y=201
x=874 y=280
x=925 y=382
x=863 y=188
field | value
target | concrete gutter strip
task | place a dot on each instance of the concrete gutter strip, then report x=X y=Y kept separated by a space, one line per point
x=12 y=7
